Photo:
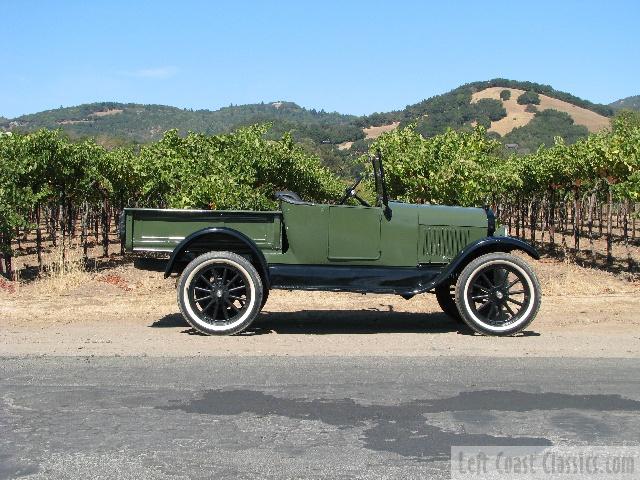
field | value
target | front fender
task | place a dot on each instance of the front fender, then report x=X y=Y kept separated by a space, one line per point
x=220 y=232
x=482 y=247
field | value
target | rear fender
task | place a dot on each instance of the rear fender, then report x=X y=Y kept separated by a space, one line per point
x=217 y=239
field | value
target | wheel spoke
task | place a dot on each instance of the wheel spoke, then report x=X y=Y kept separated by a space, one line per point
x=237 y=288
x=501 y=276
x=506 y=305
x=484 y=305
x=515 y=301
x=224 y=275
x=215 y=312
x=480 y=297
x=517 y=280
x=517 y=292
x=503 y=314
x=232 y=305
x=206 y=280
x=225 y=313
x=198 y=300
x=486 y=280
x=240 y=299
x=213 y=300
x=233 y=279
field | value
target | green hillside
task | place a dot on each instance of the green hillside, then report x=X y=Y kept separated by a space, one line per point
x=143 y=123
x=629 y=103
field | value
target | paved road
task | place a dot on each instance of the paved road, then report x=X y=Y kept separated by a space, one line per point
x=279 y=417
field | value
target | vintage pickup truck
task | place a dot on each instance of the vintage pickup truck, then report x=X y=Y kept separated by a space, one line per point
x=228 y=261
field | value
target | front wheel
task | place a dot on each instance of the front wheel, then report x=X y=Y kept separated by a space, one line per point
x=498 y=294
x=220 y=293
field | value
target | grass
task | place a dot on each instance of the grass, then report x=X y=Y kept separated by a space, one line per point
x=64 y=270
x=518 y=117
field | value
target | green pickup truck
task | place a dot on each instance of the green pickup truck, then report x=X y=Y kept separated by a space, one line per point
x=228 y=261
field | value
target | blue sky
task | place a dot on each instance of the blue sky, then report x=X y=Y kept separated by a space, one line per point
x=349 y=56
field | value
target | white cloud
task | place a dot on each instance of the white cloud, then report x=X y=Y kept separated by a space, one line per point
x=155 y=72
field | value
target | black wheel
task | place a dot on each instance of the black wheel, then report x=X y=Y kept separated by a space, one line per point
x=498 y=294
x=220 y=293
x=446 y=296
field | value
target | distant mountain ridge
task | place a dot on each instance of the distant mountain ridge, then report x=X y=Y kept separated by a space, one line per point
x=630 y=103
x=143 y=123
x=334 y=134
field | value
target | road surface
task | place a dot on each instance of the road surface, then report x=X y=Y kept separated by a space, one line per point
x=302 y=417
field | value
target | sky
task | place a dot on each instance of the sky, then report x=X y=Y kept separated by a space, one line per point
x=349 y=56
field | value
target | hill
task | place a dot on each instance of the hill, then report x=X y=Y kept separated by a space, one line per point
x=518 y=116
x=481 y=103
x=142 y=123
x=629 y=103
x=335 y=136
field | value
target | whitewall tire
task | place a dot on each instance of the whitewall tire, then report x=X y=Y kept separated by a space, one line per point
x=498 y=294
x=220 y=293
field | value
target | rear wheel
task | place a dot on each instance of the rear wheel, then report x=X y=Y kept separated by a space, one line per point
x=446 y=296
x=498 y=294
x=220 y=293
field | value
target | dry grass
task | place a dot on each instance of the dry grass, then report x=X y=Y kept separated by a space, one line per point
x=518 y=117
x=62 y=273
x=105 y=113
x=375 y=132
x=564 y=279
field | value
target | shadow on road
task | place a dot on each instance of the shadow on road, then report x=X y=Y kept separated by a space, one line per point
x=328 y=322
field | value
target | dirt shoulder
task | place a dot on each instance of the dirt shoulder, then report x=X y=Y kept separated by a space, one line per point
x=131 y=312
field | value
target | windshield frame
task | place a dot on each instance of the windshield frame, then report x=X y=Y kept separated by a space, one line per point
x=382 y=198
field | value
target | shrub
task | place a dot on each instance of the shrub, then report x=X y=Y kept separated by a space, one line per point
x=528 y=98
x=505 y=94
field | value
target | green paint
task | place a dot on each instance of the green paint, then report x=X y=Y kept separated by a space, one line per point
x=313 y=234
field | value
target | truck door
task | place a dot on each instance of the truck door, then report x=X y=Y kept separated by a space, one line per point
x=354 y=233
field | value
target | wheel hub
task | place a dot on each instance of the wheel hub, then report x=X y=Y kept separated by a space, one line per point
x=498 y=295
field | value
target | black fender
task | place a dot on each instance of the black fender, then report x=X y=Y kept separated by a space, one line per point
x=482 y=247
x=220 y=232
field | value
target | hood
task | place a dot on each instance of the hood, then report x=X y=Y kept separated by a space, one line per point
x=452 y=216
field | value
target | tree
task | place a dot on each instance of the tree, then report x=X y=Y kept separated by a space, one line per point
x=529 y=97
x=543 y=128
x=505 y=94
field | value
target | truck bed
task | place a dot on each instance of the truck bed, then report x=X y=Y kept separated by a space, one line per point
x=160 y=230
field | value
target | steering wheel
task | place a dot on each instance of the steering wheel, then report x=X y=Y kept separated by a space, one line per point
x=351 y=193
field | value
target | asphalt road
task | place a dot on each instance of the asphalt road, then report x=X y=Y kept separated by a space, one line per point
x=279 y=417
